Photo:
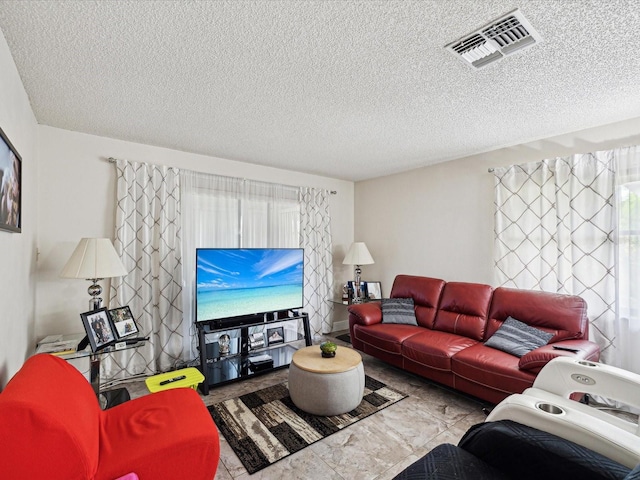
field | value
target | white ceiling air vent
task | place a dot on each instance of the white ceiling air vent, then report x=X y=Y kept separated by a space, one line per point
x=501 y=37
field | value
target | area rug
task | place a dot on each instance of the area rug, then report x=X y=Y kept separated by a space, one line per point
x=344 y=337
x=265 y=426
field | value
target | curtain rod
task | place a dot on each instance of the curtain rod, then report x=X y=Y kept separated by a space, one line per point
x=114 y=160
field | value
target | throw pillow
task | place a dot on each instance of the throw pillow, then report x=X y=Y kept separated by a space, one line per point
x=518 y=338
x=398 y=310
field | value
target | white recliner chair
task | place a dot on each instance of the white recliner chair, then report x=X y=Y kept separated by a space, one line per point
x=547 y=406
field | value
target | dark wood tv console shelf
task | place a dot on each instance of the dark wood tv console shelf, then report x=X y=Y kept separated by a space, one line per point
x=256 y=345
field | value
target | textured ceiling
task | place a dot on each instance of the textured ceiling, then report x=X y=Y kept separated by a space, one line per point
x=346 y=89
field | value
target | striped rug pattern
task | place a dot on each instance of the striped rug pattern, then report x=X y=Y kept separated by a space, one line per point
x=265 y=426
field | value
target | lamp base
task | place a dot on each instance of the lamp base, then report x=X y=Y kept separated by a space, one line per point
x=95 y=290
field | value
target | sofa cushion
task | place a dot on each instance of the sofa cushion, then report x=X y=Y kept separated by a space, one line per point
x=434 y=349
x=387 y=337
x=425 y=292
x=139 y=429
x=495 y=369
x=398 y=310
x=518 y=338
x=563 y=315
x=463 y=309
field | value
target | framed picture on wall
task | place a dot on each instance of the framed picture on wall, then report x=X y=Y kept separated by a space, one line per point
x=10 y=186
x=123 y=321
x=98 y=327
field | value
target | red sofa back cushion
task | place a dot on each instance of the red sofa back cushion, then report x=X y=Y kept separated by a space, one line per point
x=33 y=421
x=463 y=309
x=425 y=293
x=563 y=315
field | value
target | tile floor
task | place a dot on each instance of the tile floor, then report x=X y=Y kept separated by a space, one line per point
x=378 y=447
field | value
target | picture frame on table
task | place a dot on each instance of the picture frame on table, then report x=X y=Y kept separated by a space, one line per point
x=363 y=289
x=275 y=335
x=10 y=186
x=100 y=331
x=374 y=290
x=123 y=322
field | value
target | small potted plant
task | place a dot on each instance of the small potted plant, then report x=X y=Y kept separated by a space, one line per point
x=328 y=349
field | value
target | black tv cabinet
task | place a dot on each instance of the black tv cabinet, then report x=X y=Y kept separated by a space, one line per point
x=247 y=358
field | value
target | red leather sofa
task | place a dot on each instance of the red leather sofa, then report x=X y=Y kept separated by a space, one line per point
x=51 y=426
x=455 y=319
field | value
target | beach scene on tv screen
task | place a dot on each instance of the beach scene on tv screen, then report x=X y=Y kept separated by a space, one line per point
x=235 y=282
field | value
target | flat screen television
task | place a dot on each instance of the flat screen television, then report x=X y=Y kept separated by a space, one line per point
x=240 y=282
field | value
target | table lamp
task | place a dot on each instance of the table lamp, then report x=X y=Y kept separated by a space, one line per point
x=357 y=255
x=94 y=259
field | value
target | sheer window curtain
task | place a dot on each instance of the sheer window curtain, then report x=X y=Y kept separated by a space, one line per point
x=147 y=237
x=572 y=225
x=627 y=327
x=222 y=211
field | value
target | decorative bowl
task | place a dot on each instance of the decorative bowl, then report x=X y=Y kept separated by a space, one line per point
x=328 y=349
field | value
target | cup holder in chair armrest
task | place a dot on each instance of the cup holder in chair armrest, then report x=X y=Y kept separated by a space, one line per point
x=549 y=408
x=586 y=363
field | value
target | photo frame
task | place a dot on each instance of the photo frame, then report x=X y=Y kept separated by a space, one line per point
x=99 y=329
x=10 y=186
x=123 y=322
x=275 y=335
x=363 y=289
x=374 y=290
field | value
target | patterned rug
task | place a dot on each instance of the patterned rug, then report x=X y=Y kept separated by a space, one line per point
x=265 y=426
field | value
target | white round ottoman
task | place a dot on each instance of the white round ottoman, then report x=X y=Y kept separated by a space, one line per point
x=326 y=386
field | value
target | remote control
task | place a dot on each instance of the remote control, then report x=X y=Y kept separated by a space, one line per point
x=574 y=350
x=174 y=379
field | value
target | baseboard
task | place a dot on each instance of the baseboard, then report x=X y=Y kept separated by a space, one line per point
x=341 y=325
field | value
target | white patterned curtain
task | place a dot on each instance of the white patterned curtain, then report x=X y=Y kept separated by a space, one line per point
x=554 y=231
x=147 y=238
x=315 y=237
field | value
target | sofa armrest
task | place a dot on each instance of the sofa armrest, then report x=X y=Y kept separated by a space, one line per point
x=538 y=358
x=365 y=313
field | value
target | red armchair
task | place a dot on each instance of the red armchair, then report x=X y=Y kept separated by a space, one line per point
x=52 y=426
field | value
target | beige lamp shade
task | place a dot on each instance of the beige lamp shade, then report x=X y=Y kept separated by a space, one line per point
x=94 y=258
x=358 y=254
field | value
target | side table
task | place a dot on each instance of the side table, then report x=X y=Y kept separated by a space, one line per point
x=108 y=398
x=326 y=386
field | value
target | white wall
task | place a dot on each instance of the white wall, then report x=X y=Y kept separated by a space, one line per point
x=76 y=199
x=17 y=250
x=437 y=221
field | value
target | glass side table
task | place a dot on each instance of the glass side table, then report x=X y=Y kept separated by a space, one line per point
x=64 y=346
x=339 y=301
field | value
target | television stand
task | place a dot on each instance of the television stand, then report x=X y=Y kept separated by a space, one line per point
x=230 y=353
